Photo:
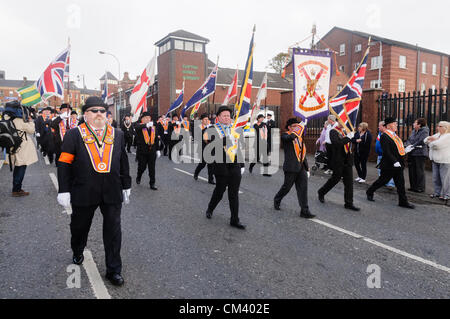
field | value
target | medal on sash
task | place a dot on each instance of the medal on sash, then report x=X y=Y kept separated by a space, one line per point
x=100 y=152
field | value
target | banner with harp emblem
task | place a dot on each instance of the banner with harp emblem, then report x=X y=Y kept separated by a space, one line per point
x=312 y=76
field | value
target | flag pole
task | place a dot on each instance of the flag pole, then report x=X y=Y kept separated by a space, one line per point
x=68 y=77
x=215 y=84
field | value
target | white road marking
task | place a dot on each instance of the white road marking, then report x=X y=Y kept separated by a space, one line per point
x=201 y=178
x=96 y=281
x=97 y=284
x=381 y=245
x=46 y=160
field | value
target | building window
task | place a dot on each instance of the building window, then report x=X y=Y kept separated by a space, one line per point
x=446 y=71
x=424 y=68
x=179 y=45
x=423 y=87
x=375 y=84
x=11 y=93
x=188 y=46
x=401 y=85
x=2 y=93
x=433 y=88
x=402 y=62
x=377 y=62
x=198 y=47
x=340 y=87
x=342 y=68
x=342 y=49
x=358 y=48
x=434 y=69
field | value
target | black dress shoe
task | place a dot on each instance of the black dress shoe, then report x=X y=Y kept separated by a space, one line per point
x=370 y=197
x=115 y=279
x=321 y=198
x=407 y=205
x=352 y=207
x=276 y=205
x=138 y=181
x=153 y=187
x=209 y=214
x=78 y=259
x=307 y=214
x=196 y=177
x=211 y=182
x=250 y=170
x=267 y=175
x=237 y=225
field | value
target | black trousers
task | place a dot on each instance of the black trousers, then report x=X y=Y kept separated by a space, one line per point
x=361 y=166
x=233 y=182
x=144 y=161
x=128 y=143
x=385 y=177
x=416 y=169
x=344 y=173
x=301 y=185
x=329 y=155
x=201 y=166
x=80 y=225
x=166 y=143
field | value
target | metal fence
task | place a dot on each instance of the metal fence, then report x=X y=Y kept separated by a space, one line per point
x=408 y=107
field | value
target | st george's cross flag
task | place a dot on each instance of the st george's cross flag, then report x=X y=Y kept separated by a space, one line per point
x=138 y=97
x=51 y=82
x=207 y=89
x=345 y=104
x=232 y=90
x=262 y=95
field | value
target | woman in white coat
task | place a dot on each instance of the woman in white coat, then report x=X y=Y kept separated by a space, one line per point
x=439 y=145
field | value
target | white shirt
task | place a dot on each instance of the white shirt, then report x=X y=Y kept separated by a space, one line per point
x=327 y=134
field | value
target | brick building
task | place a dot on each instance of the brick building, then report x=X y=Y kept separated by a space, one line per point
x=392 y=65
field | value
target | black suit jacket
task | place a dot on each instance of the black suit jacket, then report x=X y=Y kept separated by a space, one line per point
x=390 y=154
x=339 y=156
x=128 y=132
x=291 y=163
x=362 y=149
x=56 y=135
x=86 y=186
x=142 y=147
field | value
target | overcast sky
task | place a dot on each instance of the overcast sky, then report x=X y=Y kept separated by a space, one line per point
x=34 y=32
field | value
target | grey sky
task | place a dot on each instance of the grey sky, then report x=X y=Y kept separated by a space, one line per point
x=34 y=32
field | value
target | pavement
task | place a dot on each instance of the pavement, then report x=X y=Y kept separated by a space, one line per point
x=171 y=251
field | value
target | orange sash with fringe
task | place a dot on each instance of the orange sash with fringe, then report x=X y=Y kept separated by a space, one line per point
x=100 y=152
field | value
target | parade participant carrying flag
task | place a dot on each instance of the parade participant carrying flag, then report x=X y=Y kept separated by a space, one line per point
x=207 y=89
x=262 y=95
x=232 y=90
x=138 y=97
x=51 y=82
x=177 y=103
x=345 y=104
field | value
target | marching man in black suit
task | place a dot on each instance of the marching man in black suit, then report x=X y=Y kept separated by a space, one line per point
x=227 y=170
x=342 y=165
x=392 y=163
x=93 y=171
x=148 y=148
x=296 y=170
x=60 y=126
x=204 y=126
x=262 y=146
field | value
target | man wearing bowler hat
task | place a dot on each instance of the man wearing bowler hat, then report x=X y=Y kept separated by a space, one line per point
x=392 y=163
x=93 y=171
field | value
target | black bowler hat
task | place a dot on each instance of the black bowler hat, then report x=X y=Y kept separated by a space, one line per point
x=260 y=116
x=224 y=109
x=292 y=121
x=146 y=114
x=204 y=115
x=65 y=106
x=74 y=113
x=389 y=120
x=93 y=101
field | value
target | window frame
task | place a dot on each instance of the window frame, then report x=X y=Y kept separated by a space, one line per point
x=404 y=65
x=401 y=85
x=342 y=49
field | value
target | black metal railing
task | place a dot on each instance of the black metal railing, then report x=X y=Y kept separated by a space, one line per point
x=433 y=106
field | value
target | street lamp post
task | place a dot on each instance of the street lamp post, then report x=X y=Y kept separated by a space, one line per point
x=119 y=89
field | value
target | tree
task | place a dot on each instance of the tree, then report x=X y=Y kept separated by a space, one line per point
x=279 y=62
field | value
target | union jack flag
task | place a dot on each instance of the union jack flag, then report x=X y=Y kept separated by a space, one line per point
x=345 y=105
x=243 y=106
x=51 y=82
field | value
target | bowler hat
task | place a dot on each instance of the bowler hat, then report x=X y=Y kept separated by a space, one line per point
x=65 y=106
x=204 y=115
x=93 y=101
x=292 y=121
x=389 y=120
x=146 y=114
x=223 y=109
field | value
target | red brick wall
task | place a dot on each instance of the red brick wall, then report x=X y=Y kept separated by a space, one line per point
x=164 y=98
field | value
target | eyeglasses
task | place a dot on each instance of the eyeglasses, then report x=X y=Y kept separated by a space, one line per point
x=103 y=111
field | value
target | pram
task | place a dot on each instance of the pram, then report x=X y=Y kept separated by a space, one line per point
x=321 y=161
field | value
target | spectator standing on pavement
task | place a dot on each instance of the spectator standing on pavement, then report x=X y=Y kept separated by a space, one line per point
x=93 y=171
x=26 y=155
x=362 y=142
x=417 y=157
x=439 y=145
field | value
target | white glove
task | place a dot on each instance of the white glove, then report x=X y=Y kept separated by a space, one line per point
x=409 y=149
x=242 y=170
x=126 y=196
x=38 y=135
x=178 y=122
x=64 y=199
x=309 y=174
x=149 y=124
x=351 y=135
x=158 y=154
x=64 y=116
x=397 y=165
